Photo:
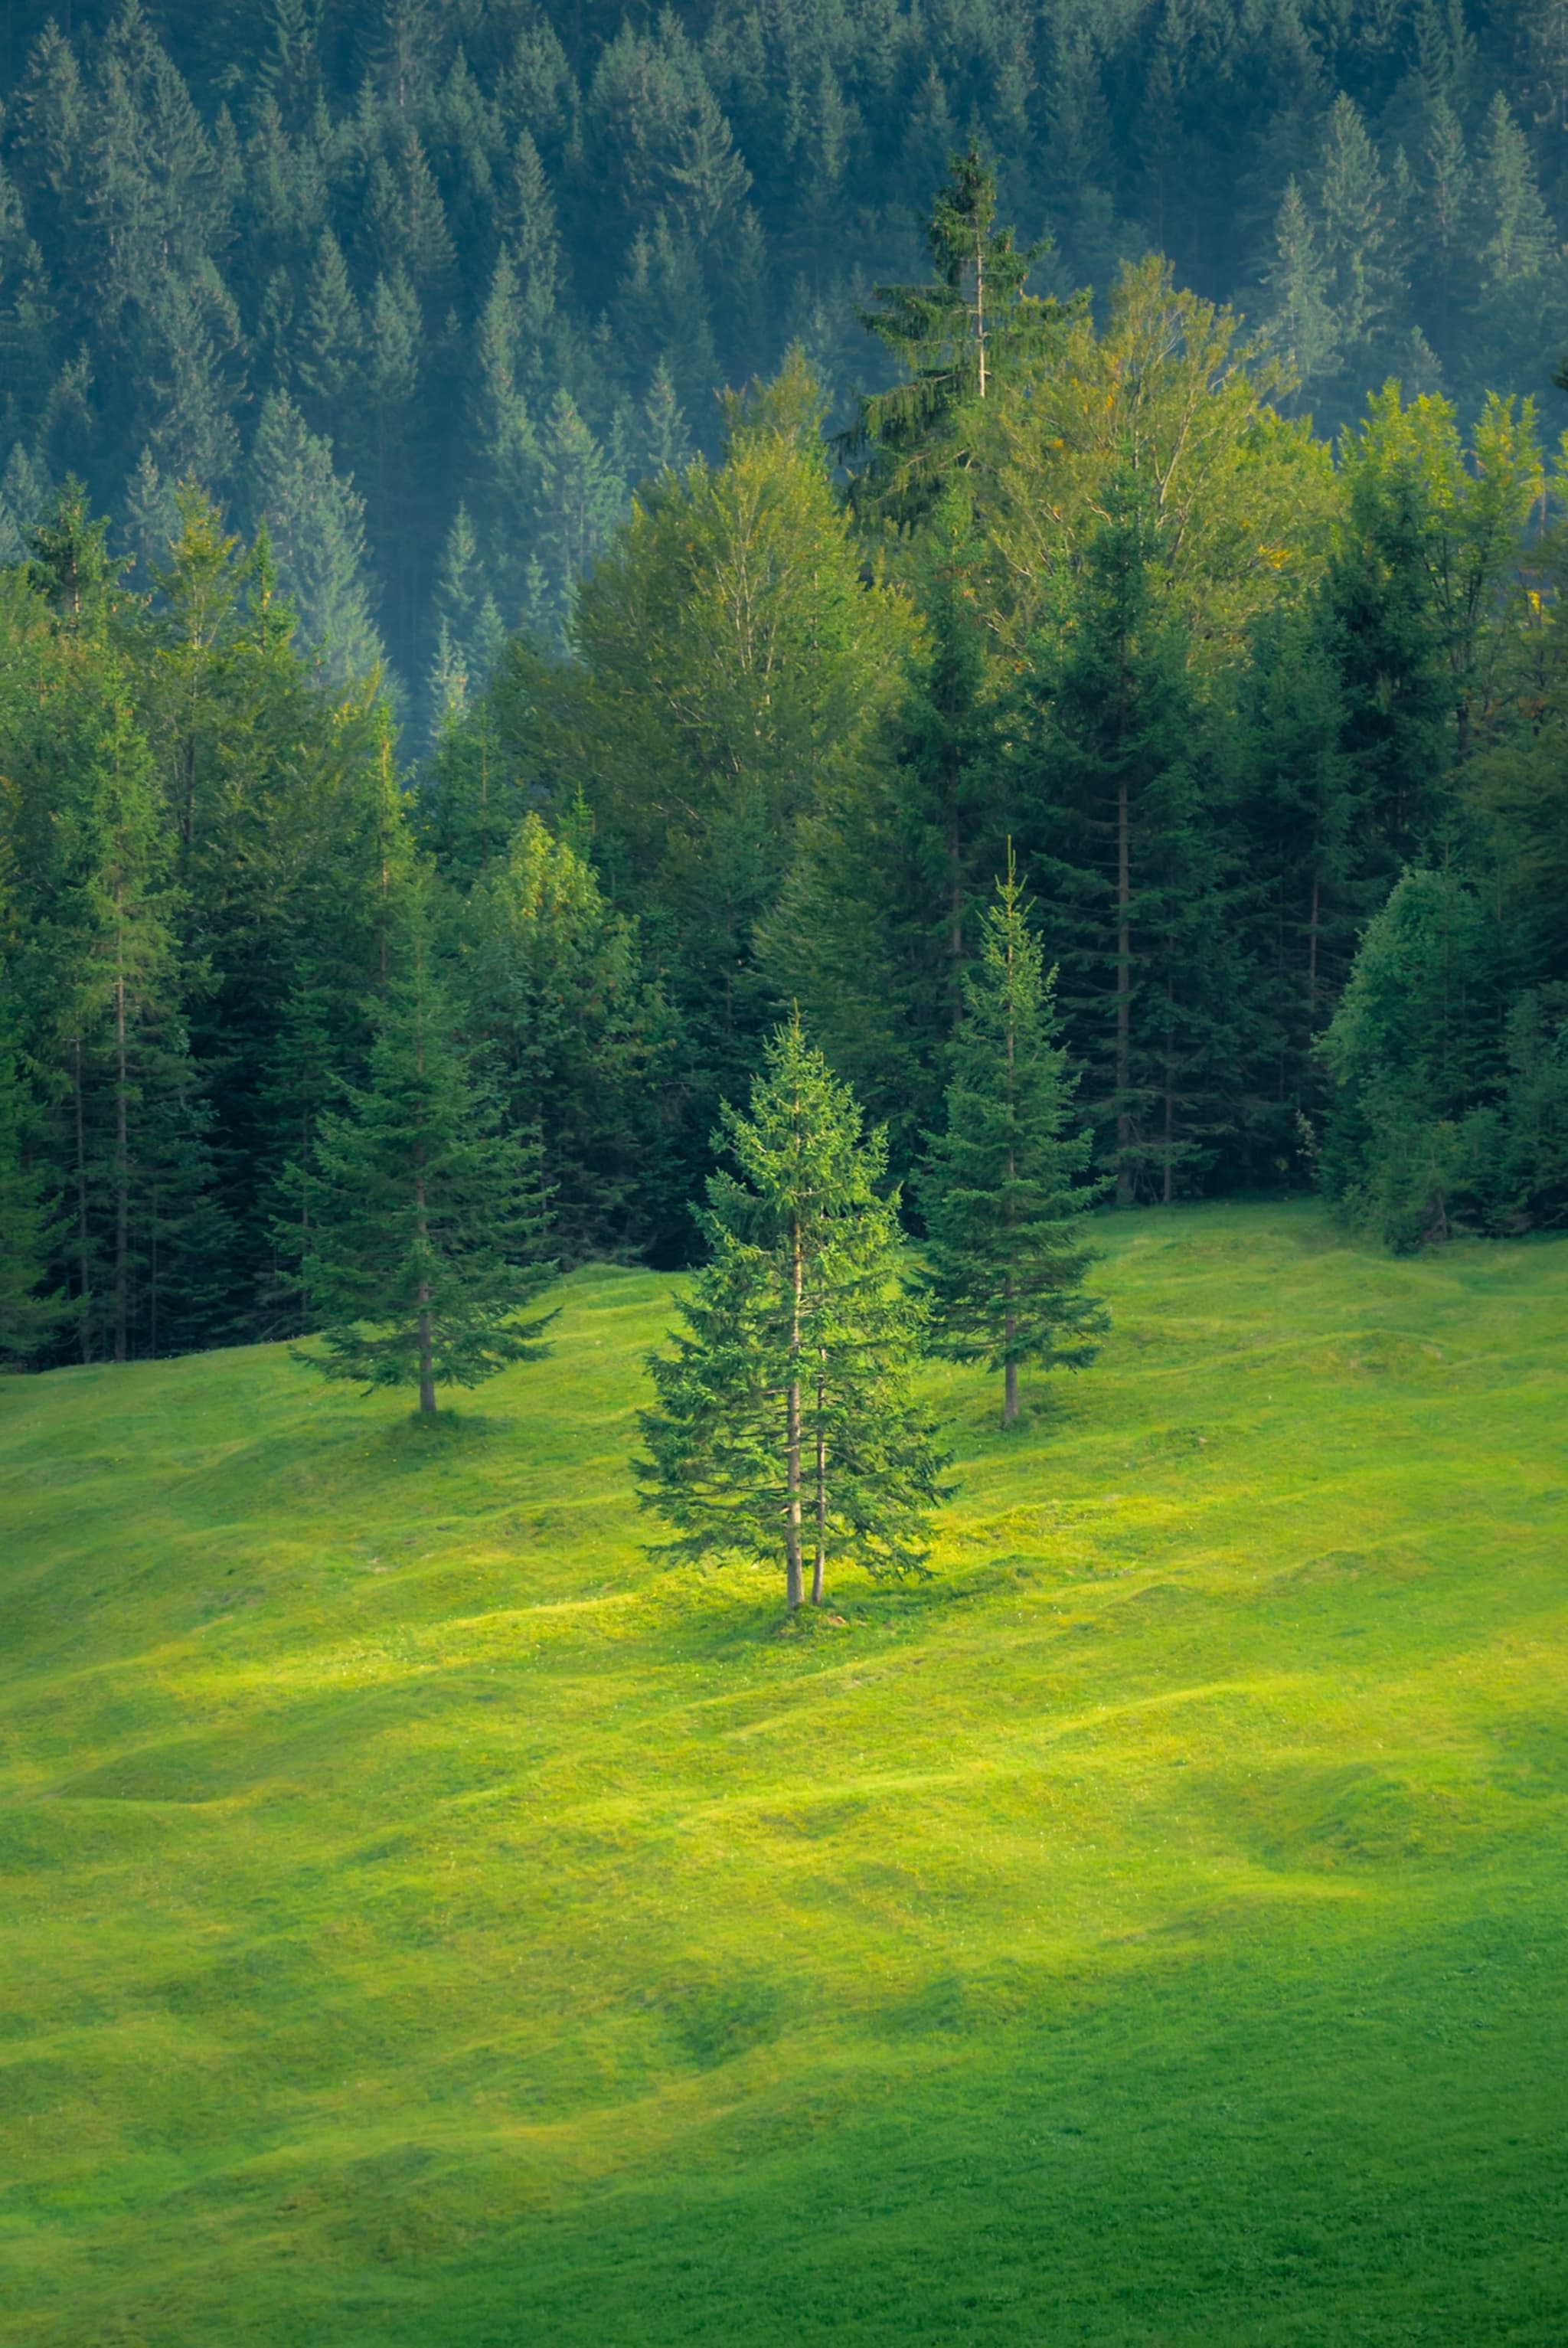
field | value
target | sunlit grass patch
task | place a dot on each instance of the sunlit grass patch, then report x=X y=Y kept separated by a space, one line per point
x=427 y=1919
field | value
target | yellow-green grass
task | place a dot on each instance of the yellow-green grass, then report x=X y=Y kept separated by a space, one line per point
x=428 y=1921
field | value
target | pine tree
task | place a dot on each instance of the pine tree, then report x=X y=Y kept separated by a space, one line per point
x=953 y=335
x=874 y=927
x=425 y=1220
x=1302 y=323
x=1520 y=240
x=1126 y=856
x=786 y=1416
x=1358 y=234
x=316 y=526
x=152 y=1247
x=1003 y=1189
x=583 y=1047
x=31 y=1314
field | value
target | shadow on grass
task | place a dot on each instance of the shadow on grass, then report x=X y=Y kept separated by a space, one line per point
x=410 y=1441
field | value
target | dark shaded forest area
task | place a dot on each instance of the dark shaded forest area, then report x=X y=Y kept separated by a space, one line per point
x=333 y=333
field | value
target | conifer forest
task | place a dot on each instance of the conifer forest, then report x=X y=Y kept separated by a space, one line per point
x=783 y=1173
x=540 y=546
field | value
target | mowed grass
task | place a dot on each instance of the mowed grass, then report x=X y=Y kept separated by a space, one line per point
x=428 y=1921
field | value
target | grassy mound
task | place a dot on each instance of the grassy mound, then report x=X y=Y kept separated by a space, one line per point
x=424 y=1920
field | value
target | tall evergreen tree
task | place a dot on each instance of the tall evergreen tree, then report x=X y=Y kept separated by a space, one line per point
x=952 y=336
x=31 y=1312
x=786 y=1420
x=1003 y=1189
x=315 y=523
x=427 y=1221
x=1125 y=830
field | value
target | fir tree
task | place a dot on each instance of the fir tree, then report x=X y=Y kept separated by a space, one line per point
x=1003 y=1189
x=785 y=1418
x=31 y=1312
x=316 y=526
x=1302 y=323
x=425 y=1220
x=953 y=335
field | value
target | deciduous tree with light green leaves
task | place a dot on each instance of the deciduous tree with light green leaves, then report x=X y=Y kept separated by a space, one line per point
x=1004 y=1187
x=785 y=1417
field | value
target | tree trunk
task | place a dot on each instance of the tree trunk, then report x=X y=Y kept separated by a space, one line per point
x=426 y=1361
x=1010 y=1382
x=84 y=1246
x=793 y=1580
x=1311 y=963
x=1123 y=995
x=121 y=1179
x=819 y=1564
x=981 y=310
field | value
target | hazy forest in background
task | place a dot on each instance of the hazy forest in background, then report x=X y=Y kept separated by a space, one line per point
x=428 y=287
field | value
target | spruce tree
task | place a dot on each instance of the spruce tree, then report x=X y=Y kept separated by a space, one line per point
x=785 y=1417
x=30 y=1313
x=1003 y=1189
x=953 y=335
x=425 y=1220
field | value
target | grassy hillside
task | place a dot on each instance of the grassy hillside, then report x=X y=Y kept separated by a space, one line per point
x=423 y=1921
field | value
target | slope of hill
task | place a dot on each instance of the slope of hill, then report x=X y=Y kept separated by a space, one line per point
x=425 y=1919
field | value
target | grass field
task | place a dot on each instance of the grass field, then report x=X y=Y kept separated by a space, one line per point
x=424 y=1920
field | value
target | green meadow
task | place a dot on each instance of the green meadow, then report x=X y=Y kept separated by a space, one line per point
x=426 y=1919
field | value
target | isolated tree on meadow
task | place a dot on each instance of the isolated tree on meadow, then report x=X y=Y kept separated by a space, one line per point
x=1003 y=1189
x=428 y=1220
x=786 y=1416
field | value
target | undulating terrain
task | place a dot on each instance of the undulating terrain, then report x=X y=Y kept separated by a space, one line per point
x=427 y=1919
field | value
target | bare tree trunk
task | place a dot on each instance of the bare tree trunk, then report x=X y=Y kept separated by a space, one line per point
x=793 y=1580
x=84 y=1248
x=819 y=1564
x=121 y=1177
x=1010 y=1363
x=426 y=1361
x=1124 y=994
x=981 y=310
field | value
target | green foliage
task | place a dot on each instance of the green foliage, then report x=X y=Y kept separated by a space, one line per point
x=1148 y=1879
x=734 y=663
x=1003 y=1190
x=875 y=925
x=785 y=1415
x=1127 y=835
x=424 y=1216
x=30 y=1316
x=953 y=337
x=491 y=253
x=579 y=1042
x=1416 y=1051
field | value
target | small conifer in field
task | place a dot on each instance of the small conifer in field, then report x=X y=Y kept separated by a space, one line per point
x=786 y=1418
x=1002 y=1190
x=428 y=1220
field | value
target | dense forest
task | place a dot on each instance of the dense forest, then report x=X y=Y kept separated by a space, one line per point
x=310 y=991
x=429 y=286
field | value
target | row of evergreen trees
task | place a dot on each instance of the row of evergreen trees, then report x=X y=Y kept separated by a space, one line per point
x=1274 y=741
x=428 y=289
